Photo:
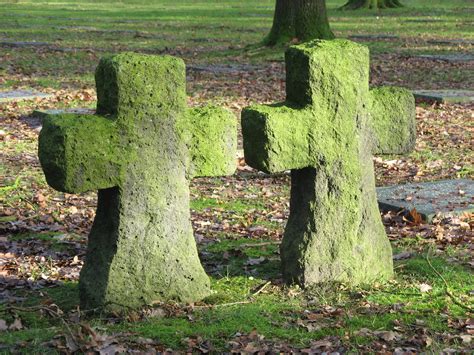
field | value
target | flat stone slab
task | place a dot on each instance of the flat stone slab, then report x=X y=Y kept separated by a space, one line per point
x=461 y=57
x=35 y=120
x=376 y=36
x=18 y=95
x=445 y=197
x=78 y=111
x=469 y=42
x=19 y=44
x=445 y=96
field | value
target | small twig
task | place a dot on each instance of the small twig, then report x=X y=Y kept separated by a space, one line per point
x=262 y=244
x=224 y=304
x=446 y=289
x=261 y=289
x=232 y=303
x=250 y=300
x=46 y=309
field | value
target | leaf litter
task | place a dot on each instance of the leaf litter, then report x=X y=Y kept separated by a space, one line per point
x=44 y=232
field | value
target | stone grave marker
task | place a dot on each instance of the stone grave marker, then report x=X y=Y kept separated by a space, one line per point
x=326 y=132
x=139 y=151
x=19 y=95
x=444 y=198
x=452 y=58
x=445 y=96
x=375 y=37
x=452 y=41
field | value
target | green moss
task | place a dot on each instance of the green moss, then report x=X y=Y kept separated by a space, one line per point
x=80 y=153
x=319 y=69
x=128 y=80
x=275 y=314
x=213 y=142
x=392 y=112
x=141 y=247
x=323 y=133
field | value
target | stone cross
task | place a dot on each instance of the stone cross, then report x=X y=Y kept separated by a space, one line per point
x=326 y=132
x=139 y=151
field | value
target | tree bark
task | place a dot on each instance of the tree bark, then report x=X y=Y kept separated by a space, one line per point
x=300 y=20
x=371 y=4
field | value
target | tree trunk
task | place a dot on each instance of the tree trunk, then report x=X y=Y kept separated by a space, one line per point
x=371 y=4
x=302 y=20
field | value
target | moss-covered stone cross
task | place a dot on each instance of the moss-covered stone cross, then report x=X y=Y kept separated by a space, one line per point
x=326 y=132
x=139 y=151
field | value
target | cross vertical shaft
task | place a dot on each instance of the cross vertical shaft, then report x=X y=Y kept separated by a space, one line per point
x=324 y=133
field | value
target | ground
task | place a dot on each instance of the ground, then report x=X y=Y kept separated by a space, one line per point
x=239 y=220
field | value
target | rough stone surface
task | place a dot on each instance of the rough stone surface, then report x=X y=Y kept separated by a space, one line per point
x=139 y=151
x=444 y=198
x=326 y=132
x=392 y=110
x=445 y=96
x=18 y=95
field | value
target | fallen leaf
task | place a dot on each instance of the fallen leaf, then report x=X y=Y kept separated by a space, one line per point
x=16 y=325
x=321 y=344
x=403 y=255
x=415 y=217
x=387 y=335
x=424 y=288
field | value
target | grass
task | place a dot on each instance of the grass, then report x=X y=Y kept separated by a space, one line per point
x=215 y=33
x=279 y=314
x=79 y=32
x=239 y=205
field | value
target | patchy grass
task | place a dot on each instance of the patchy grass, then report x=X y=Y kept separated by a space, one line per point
x=77 y=33
x=282 y=315
x=239 y=220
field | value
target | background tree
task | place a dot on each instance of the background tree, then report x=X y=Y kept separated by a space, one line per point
x=371 y=4
x=303 y=20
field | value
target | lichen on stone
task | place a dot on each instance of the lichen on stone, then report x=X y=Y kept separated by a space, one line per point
x=324 y=132
x=212 y=149
x=392 y=118
x=136 y=152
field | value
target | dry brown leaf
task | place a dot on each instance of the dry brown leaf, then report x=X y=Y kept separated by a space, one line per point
x=16 y=325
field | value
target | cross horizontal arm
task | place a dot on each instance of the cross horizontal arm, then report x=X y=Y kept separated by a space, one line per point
x=79 y=153
x=392 y=120
x=211 y=136
x=278 y=138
